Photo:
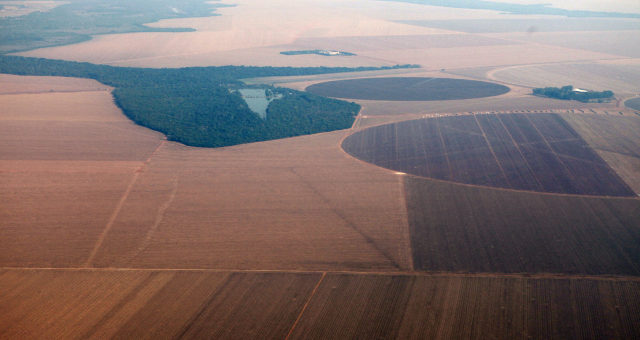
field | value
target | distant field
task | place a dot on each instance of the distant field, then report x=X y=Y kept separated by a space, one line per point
x=633 y=103
x=407 y=89
x=518 y=8
x=400 y=42
x=621 y=43
x=469 y=229
x=74 y=21
x=528 y=25
x=537 y=152
x=618 y=78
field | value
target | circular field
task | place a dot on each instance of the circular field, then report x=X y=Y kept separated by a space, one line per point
x=535 y=152
x=407 y=89
x=633 y=103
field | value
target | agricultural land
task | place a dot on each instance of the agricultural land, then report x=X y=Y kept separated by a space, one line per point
x=141 y=198
x=407 y=89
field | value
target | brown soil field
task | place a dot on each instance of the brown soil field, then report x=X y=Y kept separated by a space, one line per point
x=425 y=307
x=131 y=304
x=407 y=89
x=616 y=139
x=272 y=205
x=65 y=159
x=537 y=152
x=150 y=304
x=70 y=126
x=84 y=186
x=471 y=229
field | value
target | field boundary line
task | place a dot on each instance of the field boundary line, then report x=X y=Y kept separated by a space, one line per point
x=116 y=212
x=405 y=221
x=444 y=148
x=515 y=144
x=159 y=217
x=304 y=308
x=559 y=276
x=567 y=170
x=349 y=224
x=484 y=135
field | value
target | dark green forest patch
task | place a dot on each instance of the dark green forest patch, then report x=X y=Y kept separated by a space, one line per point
x=199 y=106
x=570 y=93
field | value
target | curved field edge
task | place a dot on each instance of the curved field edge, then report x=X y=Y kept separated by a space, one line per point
x=408 y=89
x=538 y=152
x=199 y=106
x=633 y=103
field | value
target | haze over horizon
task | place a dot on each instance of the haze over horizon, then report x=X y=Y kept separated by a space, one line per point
x=632 y=6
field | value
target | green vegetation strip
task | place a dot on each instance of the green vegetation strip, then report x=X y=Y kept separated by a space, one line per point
x=570 y=93
x=199 y=106
x=78 y=20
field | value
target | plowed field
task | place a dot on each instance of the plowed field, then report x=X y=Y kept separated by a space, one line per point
x=407 y=89
x=536 y=152
x=471 y=229
x=234 y=305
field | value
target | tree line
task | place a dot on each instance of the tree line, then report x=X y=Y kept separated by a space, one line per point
x=569 y=93
x=197 y=106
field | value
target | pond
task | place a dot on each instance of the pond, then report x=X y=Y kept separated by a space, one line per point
x=258 y=100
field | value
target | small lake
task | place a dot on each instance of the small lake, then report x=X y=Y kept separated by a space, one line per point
x=257 y=100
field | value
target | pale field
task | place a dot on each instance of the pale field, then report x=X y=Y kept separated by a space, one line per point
x=253 y=33
x=624 y=6
x=85 y=186
x=65 y=159
x=18 y=8
x=616 y=139
x=624 y=44
x=298 y=203
x=12 y=84
x=247 y=27
x=623 y=80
